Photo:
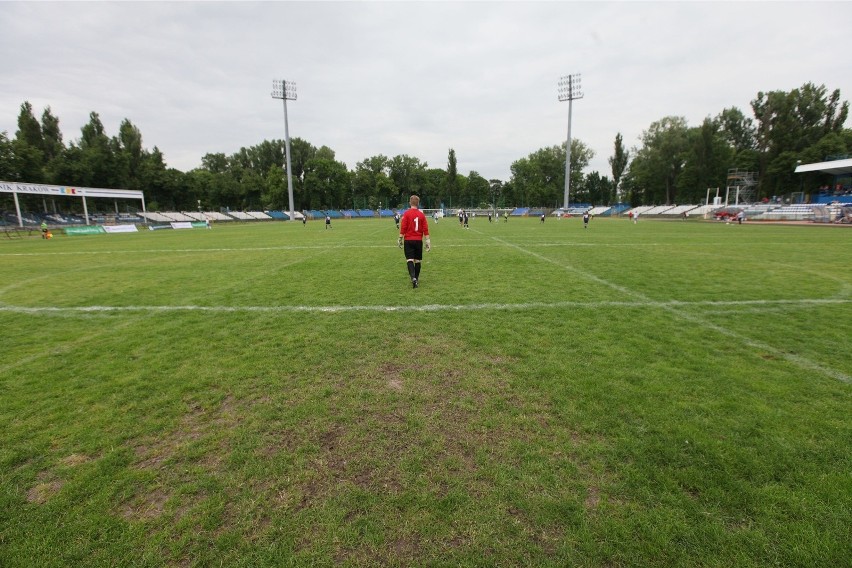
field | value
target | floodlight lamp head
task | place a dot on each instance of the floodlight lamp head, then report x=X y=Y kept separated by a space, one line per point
x=282 y=89
x=290 y=90
x=569 y=87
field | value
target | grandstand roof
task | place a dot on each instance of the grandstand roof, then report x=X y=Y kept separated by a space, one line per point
x=835 y=167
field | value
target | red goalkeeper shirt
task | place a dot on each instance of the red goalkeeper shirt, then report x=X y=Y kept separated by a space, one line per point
x=413 y=226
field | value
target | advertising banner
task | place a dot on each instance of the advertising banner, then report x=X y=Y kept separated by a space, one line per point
x=120 y=228
x=91 y=230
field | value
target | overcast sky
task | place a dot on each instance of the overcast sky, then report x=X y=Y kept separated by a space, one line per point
x=414 y=78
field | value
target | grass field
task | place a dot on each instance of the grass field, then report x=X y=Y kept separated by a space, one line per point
x=658 y=394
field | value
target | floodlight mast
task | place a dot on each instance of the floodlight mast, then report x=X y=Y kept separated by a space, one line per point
x=569 y=90
x=286 y=90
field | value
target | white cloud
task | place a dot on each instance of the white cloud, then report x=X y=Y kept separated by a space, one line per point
x=407 y=77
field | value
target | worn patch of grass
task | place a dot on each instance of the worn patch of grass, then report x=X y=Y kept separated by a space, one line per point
x=655 y=394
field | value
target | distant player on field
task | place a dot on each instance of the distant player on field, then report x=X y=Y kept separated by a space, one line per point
x=413 y=234
x=586 y=220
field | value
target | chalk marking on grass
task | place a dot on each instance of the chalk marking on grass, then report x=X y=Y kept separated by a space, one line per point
x=671 y=304
x=673 y=308
x=308 y=247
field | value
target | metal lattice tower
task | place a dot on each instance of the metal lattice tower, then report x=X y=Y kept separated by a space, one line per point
x=741 y=186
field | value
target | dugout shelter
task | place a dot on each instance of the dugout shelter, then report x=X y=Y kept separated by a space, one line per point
x=67 y=191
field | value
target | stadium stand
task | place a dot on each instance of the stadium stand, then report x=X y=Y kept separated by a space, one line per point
x=679 y=210
x=259 y=215
x=216 y=216
x=701 y=210
x=641 y=209
x=658 y=210
x=520 y=211
x=177 y=216
x=240 y=215
x=156 y=217
x=797 y=212
x=366 y=213
x=600 y=211
x=386 y=213
x=619 y=208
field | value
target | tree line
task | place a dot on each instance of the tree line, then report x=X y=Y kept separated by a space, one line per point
x=671 y=163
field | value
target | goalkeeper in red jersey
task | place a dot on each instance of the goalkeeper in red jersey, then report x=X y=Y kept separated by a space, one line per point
x=413 y=235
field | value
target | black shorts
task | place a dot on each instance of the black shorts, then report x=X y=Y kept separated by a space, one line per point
x=413 y=249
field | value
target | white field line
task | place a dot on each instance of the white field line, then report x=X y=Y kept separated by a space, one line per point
x=673 y=308
x=302 y=247
x=637 y=304
x=444 y=244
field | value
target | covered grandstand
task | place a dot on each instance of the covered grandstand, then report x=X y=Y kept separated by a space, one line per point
x=54 y=191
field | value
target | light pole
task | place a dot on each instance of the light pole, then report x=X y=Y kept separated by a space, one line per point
x=569 y=89
x=286 y=90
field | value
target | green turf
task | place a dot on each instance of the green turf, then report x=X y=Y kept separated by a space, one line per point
x=658 y=394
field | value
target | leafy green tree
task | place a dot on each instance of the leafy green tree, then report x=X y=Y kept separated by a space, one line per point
x=326 y=181
x=7 y=158
x=618 y=161
x=596 y=189
x=100 y=167
x=452 y=176
x=478 y=190
x=215 y=163
x=658 y=163
x=539 y=179
x=29 y=129
x=788 y=123
x=736 y=129
x=28 y=147
x=433 y=188
x=496 y=192
x=408 y=175
x=370 y=181
x=166 y=187
x=130 y=151
x=275 y=196
x=52 y=146
x=707 y=158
